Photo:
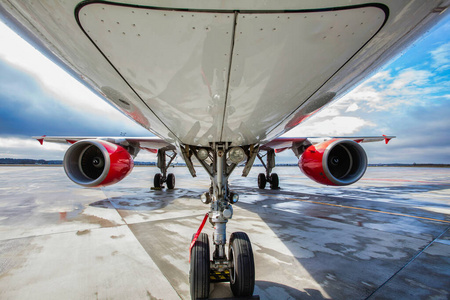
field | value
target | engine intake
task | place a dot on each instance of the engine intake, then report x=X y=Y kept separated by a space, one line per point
x=334 y=162
x=93 y=163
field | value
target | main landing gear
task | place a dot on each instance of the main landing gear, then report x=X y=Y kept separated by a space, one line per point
x=163 y=177
x=237 y=264
x=270 y=177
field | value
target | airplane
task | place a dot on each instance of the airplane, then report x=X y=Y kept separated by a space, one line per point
x=218 y=83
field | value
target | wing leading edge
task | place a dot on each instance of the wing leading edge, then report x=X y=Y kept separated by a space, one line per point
x=283 y=143
x=150 y=144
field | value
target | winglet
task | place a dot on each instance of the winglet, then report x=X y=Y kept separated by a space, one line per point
x=281 y=150
x=41 y=140
x=149 y=149
x=386 y=139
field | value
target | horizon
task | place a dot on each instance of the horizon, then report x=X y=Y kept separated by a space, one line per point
x=59 y=162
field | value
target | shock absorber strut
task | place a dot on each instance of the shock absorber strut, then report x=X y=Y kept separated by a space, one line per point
x=221 y=210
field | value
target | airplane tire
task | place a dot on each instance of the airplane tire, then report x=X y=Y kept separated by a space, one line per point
x=274 y=181
x=199 y=271
x=157 y=180
x=242 y=272
x=171 y=181
x=262 y=181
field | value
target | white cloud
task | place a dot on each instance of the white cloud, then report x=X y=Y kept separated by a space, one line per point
x=379 y=77
x=441 y=57
x=52 y=78
x=409 y=78
x=29 y=148
x=14 y=147
x=352 y=107
x=384 y=92
x=336 y=126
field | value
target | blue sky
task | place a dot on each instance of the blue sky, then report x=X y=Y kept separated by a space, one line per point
x=409 y=98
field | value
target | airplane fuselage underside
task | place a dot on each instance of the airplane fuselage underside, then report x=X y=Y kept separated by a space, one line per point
x=224 y=76
x=236 y=72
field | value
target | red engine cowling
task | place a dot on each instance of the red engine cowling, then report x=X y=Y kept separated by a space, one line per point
x=334 y=162
x=93 y=163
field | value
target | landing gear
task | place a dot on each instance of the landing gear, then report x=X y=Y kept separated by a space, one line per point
x=262 y=181
x=238 y=268
x=157 y=180
x=199 y=271
x=242 y=269
x=170 y=181
x=270 y=177
x=161 y=178
x=274 y=181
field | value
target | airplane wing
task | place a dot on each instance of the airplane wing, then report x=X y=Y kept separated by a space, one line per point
x=282 y=143
x=298 y=145
x=150 y=144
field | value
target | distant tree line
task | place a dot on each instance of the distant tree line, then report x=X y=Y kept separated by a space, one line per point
x=412 y=165
x=26 y=161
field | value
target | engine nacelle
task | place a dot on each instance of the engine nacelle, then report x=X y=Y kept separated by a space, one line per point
x=93 y=163
x=334 y=162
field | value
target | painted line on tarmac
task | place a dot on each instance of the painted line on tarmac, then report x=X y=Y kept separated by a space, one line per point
x=364 y=209
x=408 y=263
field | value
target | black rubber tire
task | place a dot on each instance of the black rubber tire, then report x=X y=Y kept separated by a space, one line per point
x=157 y=180
x=242 y=272
x=199 y=271
x=262 y=181
x=170 y=181
x=274 y=181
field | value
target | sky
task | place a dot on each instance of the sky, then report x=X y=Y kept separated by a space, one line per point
x=408 y=98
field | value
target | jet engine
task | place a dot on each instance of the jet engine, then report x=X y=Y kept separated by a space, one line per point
x=94 y=163
x=334 y=162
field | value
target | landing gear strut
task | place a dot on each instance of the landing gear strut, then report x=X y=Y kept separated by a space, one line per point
x=238 y=268
x=270 y=177
x=163 y=177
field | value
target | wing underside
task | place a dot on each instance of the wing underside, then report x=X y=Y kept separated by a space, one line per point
x=150 y=144
x=153 y=144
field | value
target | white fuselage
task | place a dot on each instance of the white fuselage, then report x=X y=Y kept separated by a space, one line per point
x=243 y=72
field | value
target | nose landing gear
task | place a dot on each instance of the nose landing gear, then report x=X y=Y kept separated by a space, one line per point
x=242 y=265
x=239 y=267
x=199 y=274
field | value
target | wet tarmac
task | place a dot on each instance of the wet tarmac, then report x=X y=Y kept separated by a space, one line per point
x=386 y=237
